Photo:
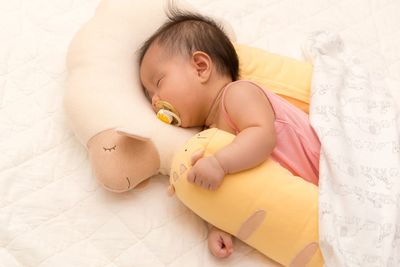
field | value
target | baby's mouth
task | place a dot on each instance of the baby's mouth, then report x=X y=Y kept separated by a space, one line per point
x=167 y=113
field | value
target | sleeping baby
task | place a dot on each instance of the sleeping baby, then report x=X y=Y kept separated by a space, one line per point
x=189 y=70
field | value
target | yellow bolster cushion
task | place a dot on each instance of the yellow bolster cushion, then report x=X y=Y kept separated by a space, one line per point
x=266 y=207
x=287 y=77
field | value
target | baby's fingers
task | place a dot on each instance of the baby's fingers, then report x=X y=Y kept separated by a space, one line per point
x=206 y=185
x=227 y=242
x=211 y=187
x=223 y=248
x=191 y=177
x=195 y=178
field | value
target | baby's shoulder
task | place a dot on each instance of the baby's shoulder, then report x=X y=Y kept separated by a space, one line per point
x=243 y=88
x=244 y=84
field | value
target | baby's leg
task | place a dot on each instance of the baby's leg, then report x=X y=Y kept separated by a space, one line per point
x=220 y=243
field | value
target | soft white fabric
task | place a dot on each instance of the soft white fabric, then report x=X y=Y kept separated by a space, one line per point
x=52 y=211
x=358 y=123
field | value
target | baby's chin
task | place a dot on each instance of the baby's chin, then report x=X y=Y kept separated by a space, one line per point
x=186 y=124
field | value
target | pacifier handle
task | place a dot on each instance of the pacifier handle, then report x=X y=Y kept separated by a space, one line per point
x=167 y=113
x=168 y=117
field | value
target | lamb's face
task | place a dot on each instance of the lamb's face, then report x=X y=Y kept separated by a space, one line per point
x=182 y=159
x=121 y=162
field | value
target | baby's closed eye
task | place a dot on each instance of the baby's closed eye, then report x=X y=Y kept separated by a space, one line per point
x=159 y=82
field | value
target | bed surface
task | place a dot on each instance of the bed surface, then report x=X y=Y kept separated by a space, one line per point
x=52 y=211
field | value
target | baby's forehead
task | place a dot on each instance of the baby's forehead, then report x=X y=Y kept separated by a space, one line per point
x=157 y=51
x=171 y=48
x=154 y=56
x=154 y=48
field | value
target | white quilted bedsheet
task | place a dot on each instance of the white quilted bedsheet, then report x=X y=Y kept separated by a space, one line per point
x=52 y=211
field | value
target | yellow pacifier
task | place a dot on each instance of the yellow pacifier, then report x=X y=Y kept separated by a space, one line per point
x=167 y=113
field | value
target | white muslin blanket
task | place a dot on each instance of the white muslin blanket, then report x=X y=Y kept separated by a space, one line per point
x=357 y=121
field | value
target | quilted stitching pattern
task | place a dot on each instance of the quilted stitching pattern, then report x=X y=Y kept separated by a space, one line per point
x=52 y=212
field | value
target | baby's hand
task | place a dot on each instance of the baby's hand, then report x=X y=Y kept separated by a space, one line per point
x=206 y=172
x=220 y=243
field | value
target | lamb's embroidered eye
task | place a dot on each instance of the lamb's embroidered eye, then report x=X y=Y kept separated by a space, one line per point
x=110 y=148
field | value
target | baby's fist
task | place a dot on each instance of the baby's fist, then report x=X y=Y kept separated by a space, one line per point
x=206 y=172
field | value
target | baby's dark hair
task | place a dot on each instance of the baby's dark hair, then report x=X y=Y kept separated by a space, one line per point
x=187 y=32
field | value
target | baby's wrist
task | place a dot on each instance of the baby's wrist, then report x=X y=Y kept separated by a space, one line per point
x=210 y=227
x=221 y=164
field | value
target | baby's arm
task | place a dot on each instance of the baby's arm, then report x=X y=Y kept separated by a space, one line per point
x=252 y=113
x=250 y=110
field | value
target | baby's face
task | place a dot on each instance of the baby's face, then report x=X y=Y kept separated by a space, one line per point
x=172 y=78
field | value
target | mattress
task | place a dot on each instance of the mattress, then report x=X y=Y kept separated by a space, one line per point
x=53 y=212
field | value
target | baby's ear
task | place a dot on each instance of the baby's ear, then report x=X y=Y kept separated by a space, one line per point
x=203 y=64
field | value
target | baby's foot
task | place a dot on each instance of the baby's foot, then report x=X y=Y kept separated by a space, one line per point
x=220 y=243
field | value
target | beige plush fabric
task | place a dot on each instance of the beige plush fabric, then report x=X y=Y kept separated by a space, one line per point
x=104 y=89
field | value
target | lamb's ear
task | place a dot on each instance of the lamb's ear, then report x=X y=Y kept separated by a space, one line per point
x=126 y=132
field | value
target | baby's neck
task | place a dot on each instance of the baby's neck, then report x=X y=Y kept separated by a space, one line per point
x=216 y=96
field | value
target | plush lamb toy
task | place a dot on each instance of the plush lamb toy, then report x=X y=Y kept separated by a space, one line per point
x=105 y=104
x=104 y=100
